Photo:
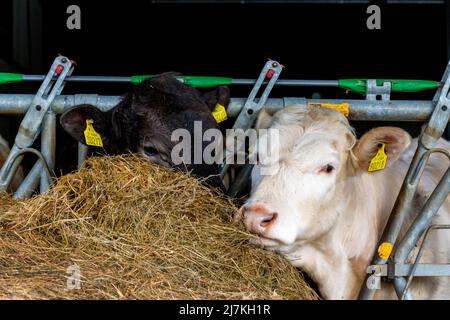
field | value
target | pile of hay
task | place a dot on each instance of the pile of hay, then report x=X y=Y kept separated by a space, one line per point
x=135 y=231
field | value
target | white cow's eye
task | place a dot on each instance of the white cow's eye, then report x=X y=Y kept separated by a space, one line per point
x=328 y=168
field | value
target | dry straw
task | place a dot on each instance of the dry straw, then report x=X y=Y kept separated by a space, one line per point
x=135 y=231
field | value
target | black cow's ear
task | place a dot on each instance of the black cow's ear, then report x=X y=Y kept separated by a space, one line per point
x=220 y=95
x=74 y=121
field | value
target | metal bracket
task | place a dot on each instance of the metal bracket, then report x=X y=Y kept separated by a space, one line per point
x=31 y=124
x=391 y=269
x=247 y=116
x=374 y=90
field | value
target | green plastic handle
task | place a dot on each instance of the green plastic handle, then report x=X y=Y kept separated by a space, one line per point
x=10 y=78
x=194 y=81
x=397 y=85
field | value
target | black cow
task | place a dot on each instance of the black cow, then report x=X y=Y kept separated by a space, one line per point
x=146 y=117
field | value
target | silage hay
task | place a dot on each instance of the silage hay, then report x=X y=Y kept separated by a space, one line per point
x=135 y=231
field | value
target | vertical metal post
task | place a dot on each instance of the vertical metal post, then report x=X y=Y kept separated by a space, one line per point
x=48 y=146
x=82 y=154
x=447 y=18
x=30 y=182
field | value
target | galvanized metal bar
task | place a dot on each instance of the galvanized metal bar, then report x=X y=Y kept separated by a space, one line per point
x=48 y=146
x=400 y=110
x=293 y=83
x=39 y=77
x=399 y=285
x=422 y=270
x=82 y=154
x=119 y=79
x=30 y=183
x=364 y=110
x=19 y=103
x=432 y=132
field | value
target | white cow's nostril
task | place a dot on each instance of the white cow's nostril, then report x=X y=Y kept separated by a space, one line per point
x=267 y=219
x=258 y=218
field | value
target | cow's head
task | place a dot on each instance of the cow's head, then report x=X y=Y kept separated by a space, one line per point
x=316 y=153
x=145 y=118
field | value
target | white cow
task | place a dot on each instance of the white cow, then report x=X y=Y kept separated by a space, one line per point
x=325 y=212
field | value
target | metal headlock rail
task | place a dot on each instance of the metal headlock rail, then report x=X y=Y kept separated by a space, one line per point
x=40 y=112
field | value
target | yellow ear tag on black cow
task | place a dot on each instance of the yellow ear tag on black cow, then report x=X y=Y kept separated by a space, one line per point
x=219 y=113
x=91 y=136
x=378 y=162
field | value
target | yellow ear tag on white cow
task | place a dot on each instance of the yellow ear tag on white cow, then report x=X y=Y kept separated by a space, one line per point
x=378 y=162
x=219 y=113
x=341 y=107
x=384 y=250
x=91 y=136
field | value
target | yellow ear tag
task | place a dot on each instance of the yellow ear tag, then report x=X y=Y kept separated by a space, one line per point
x=378 y=162
x=384 y=250
x=342 y=107
x=219 y=113
x=91 y=136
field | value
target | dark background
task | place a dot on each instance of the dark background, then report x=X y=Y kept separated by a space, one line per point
x=314 y=40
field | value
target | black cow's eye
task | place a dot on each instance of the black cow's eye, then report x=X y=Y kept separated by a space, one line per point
x=150 y=151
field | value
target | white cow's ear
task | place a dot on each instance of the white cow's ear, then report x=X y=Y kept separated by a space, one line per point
x=263 y=120
x=396 y=140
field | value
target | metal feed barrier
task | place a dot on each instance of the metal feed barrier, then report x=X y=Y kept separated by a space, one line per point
x=40 y=112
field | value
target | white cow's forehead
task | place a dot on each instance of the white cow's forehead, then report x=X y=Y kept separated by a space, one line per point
x=291 y=140
x=311 y=119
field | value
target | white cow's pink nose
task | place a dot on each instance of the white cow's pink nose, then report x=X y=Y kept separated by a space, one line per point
x=258 y=218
